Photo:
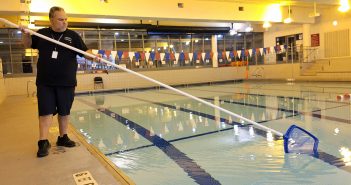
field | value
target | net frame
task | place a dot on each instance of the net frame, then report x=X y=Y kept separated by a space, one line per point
x=288 y=140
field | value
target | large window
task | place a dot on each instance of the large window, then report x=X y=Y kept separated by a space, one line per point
x=135 y=49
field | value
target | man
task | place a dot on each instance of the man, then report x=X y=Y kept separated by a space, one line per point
x=56 y=77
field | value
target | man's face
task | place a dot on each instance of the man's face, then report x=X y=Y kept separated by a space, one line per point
x=59 y=21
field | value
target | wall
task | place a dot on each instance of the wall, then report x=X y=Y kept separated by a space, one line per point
x=121 y=80
x=274 y=72
x=322 y=24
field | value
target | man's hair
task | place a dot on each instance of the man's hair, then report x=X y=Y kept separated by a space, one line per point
x=53 y=10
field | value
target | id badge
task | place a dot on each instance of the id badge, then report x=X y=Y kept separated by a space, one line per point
x=54 y=54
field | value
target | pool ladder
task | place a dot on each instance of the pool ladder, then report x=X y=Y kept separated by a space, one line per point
x=258 y=72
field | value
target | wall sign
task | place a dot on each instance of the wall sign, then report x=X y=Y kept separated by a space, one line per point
x=315 y=40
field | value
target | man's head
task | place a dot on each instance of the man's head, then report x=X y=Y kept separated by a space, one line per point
x=58 y=19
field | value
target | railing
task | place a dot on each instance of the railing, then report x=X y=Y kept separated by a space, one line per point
x=28 y=83
x=309 y=55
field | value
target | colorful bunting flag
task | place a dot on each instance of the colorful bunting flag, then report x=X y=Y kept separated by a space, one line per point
x=120 y=53
x=227 y=55
x=131 y=55
x=250 y=52
x=147 y=56
x=152 y=56
x=114 y=53
x=239 y=54
x=107 y=53
x=262 y=50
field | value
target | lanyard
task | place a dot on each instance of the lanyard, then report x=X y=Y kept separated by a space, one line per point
x=55 y=39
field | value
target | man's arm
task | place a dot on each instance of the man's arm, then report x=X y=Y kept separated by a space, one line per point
x=26 y=38
x=97 y=57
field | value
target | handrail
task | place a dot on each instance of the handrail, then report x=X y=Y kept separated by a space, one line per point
x=28 y=82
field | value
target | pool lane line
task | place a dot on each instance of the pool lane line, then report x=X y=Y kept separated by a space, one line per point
x=323 y=156
x=289 y=97
x=259 y=88
x=257 y=131
x=193 y=170
x=295 y=112
x=170 y=141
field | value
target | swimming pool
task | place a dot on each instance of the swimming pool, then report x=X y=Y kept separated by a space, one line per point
x=160 y=137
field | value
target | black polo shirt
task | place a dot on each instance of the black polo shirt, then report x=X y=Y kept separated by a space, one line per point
x=59 y=71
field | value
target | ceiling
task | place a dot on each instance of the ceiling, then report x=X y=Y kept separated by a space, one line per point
x=295 y=2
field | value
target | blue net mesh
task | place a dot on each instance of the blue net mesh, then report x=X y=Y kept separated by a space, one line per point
x=298 y=140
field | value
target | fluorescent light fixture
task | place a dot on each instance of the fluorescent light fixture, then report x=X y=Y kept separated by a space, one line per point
x=287 y=20
x=248 y=29
x=273 y=13
x=232 y=32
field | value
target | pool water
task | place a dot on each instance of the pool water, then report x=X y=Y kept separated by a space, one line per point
x=161 y=137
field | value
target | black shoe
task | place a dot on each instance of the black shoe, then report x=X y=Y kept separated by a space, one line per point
x=44 y=147
x=65 y=141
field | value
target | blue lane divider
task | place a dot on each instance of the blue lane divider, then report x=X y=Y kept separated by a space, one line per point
x=187 y=164
x=193 y=170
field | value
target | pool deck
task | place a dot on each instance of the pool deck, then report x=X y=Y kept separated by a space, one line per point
x=19 y=164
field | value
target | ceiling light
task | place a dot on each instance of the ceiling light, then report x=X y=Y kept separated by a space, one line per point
x=232 y=31
x=335 y=23
x=314 y=13
x=266 y=24
x=344 y=6
x=288 y=20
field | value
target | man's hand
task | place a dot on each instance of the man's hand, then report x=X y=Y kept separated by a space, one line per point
x=23 y=29
x=26 y=40
x=97 y=58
